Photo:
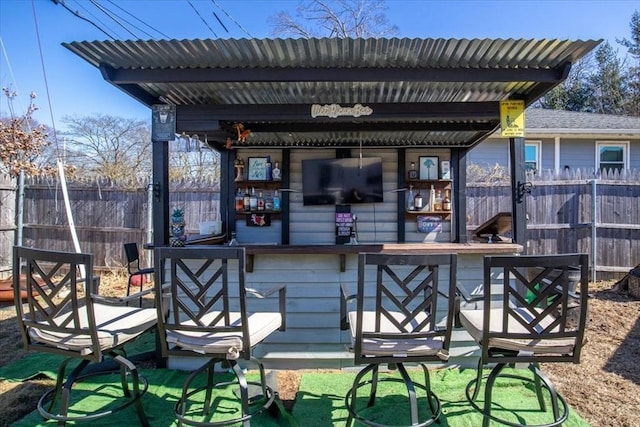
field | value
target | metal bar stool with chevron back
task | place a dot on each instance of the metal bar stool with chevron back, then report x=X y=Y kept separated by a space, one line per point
x=136 y=274
x=404 y=315
x=209 y=319
x=65 y=315
x=536 y=317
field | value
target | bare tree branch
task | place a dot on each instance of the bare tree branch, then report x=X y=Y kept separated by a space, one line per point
x=335 y=18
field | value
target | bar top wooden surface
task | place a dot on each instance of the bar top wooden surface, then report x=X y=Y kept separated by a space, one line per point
x=427 y=248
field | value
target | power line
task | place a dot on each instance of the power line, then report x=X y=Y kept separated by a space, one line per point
x=201 y=18
x=220 y=22
x=77 y=14
x=81 y=4
x=44 y=75
x=110 y=15
x=230 y=17
x=142 y=22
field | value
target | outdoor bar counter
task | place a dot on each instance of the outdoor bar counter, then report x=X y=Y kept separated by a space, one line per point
x=393 y=248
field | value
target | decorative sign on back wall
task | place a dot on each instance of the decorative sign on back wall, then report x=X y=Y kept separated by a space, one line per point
x=344 y=224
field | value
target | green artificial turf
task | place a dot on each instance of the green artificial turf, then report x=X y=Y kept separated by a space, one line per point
x=320 y=399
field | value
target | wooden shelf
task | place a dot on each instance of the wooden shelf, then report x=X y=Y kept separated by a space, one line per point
x=271 y=185
x=257 y=212
x=445 y=213
x=428 y=181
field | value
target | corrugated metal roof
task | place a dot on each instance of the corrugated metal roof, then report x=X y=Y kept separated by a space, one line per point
x=265 y=76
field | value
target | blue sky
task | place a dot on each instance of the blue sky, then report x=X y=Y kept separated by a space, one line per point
x=77 y=88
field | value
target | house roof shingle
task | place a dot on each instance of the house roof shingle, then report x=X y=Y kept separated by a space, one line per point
x=545 y=121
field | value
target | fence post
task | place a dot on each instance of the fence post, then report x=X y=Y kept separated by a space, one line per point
x=594 y=227
x=20 y=206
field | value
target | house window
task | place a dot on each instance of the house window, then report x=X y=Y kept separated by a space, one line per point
x=611 y=156
x=532 y=156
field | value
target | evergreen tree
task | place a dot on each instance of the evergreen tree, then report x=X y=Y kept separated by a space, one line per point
x=632 y=101
x=608 y=83
x=602 y=82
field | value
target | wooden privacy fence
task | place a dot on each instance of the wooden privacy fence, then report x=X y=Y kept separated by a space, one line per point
x=573 y=212
x=566 y=213
x=107 y=215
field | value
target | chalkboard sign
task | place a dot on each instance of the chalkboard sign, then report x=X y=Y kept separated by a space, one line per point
x=344 y=224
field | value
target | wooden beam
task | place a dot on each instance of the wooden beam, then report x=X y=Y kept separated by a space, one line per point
x=425 y=111
x=122 y=76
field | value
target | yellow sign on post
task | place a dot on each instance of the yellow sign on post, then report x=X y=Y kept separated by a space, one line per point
x=512 y=118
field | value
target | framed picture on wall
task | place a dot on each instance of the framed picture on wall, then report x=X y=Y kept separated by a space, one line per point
x=257 y=169
x=428 y=167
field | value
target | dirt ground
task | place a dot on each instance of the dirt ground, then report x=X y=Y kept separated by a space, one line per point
x=604 y=388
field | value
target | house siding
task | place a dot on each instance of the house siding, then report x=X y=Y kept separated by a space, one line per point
x=577 y=153
x=489 y=153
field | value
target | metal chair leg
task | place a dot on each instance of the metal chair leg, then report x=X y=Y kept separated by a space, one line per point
x=411 y=390
x=488 y=391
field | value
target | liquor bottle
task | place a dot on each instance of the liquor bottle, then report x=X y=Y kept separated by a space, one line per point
x=275 y=172
x=432 y=199
x=446 y=202
x=437 y=206
x=269 y=171
x=410 y=199
x=268 y=202
x=276 y=199
x=418 y=201
x=239 y=201
x=260 y=201
x=247 y=200
x=253 y=200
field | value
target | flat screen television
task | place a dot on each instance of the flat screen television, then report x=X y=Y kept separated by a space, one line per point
x=342 y=181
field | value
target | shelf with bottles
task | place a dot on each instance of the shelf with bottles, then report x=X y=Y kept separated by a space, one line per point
x=258 y=197
x=428 y=200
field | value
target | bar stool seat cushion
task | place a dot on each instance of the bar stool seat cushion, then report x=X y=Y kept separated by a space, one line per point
x=472 y=321
x=115 y=325
x=261 y=325
x=389 y=347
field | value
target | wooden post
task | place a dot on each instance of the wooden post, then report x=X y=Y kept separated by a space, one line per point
x=518 y=192
x=160 y=193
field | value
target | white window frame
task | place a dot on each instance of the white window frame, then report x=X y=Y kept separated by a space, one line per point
x=618 y=144
x=538 y=147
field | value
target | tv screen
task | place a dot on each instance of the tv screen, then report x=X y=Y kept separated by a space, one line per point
x=342 y=181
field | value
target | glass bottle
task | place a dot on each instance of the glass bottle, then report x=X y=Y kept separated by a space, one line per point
x=239 y=201
x=446 y=202
x=438 y=203
x=432 y=199
x=276 y=199
x=260 y=201
x=247 y=200
x=410 y=199
x=269 y=171
x=275 y=172
x=253 y=200
x=268 y=202
x=418 y=201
